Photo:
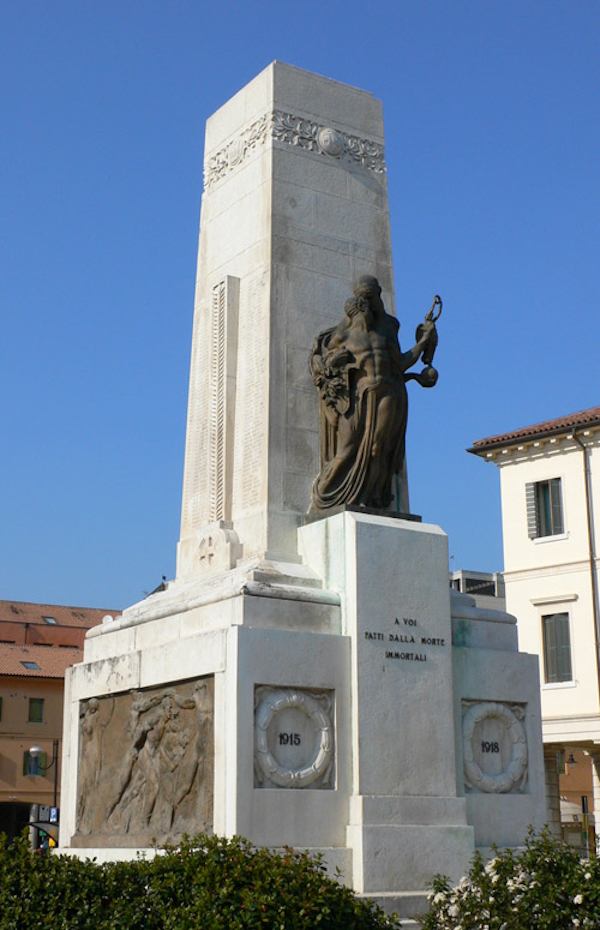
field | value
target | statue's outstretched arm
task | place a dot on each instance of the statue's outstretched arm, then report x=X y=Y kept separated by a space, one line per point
x=409 y=358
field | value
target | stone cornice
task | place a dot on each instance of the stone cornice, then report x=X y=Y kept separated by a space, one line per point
x=540 y=445
x=587 y=421
x=548 y=571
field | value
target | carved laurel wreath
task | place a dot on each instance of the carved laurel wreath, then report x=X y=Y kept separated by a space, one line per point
x=504 y=781
x=268 y=709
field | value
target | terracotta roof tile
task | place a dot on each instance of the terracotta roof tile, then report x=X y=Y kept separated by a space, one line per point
x=52 y=661
x=565 y=424
x=79 y=617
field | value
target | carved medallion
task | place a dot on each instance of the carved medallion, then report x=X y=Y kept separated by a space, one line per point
x=294 y=745
x=330 y=142
x=494 y=747
x=235 y=152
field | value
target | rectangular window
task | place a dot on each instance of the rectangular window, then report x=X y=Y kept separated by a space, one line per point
x=557 y=648
x=36 y=710
x=478 y=586
x=544 y=508
x=34 y=765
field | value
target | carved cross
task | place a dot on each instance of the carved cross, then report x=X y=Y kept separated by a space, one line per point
x=206 y=551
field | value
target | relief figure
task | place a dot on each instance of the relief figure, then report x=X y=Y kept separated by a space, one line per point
x=146 y=764
x=93 y=719
x=139 y=781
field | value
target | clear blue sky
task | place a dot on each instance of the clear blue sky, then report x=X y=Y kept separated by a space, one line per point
x=493 y=154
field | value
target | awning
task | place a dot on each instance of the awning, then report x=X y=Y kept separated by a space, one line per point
x=50 y=828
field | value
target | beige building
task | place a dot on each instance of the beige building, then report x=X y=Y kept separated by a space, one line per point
x=550 y=490
x=38 y=642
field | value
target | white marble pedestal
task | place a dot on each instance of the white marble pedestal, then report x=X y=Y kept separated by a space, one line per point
x=353 y=704
x=405 y=820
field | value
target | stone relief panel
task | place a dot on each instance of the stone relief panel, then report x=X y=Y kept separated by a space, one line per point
x=293 y=738
x=146 y=765
x=494 y=747
x=298 y=131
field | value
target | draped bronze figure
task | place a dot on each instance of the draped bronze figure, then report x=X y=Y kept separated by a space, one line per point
x=360 y=373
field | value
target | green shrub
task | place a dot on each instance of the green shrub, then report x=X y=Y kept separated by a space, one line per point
x=545 y=886
x=208 y=883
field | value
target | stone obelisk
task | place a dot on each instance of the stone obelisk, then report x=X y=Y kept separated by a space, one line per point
x=295 y=208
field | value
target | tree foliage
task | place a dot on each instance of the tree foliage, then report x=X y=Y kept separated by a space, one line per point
x=544 y=886
x=208 y=883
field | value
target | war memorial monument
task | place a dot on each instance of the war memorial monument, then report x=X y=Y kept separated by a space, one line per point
x=306 y=679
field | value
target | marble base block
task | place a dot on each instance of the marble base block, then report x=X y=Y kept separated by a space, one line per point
x=347 y=705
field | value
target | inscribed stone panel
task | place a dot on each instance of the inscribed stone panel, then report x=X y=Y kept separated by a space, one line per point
x=197 y=473
x=252 y=394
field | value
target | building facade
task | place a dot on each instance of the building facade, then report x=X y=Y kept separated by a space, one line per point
x=486 y=587
x=550 y=490
x=38 y=642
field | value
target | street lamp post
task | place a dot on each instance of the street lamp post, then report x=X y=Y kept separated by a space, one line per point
x=36 y=751
x=50 y=827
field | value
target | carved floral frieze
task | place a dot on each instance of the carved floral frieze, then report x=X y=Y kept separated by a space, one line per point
x=294 y=130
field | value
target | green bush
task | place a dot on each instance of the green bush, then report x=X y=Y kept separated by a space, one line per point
x=545 y=886
x=208 y=883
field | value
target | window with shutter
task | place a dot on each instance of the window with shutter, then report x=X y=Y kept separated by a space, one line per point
x=36 y=710
x=544 y=508
x=557 y=648
x=35 y=765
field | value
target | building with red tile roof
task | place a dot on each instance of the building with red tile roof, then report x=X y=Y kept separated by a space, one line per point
x=38 y=642
x=545 y=430
x=550 y=491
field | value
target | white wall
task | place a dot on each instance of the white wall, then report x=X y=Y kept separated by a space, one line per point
x=552 y=575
